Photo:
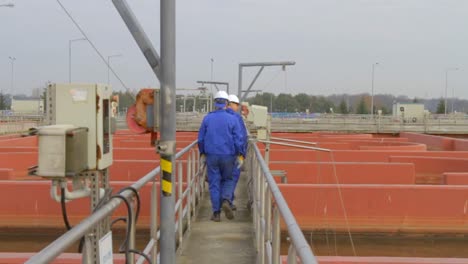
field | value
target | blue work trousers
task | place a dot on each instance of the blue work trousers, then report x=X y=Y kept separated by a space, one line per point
x=220 y=179
x=235 y=175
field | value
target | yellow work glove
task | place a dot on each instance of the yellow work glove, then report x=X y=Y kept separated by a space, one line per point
x=240 y=161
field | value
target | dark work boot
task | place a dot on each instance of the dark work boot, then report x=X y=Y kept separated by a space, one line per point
x=216 y=217
x=227 y=210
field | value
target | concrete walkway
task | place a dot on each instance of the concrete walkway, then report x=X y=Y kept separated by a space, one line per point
x=229 y=241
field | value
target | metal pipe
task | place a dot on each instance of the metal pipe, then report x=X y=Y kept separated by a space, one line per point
x=253 y=64
x=293 y=140
x=293 y=145
x=297 y=237
x=139 y=35
x=252 y=83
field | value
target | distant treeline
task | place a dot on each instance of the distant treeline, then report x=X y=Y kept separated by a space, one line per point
x=337 y=103
x=341 y=103
x=346 y=103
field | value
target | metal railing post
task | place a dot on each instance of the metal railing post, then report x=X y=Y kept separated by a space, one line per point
x=267 y=218
x=131 y=241
x=258 y=189
x=292 y=256
x=181 y=199
x=276 y=233
x=189 y=186
x=154 y=221
x=262 y=230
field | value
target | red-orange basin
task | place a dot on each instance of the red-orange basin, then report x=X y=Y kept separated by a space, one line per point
x=379 y=208
x=346 y=172
x=31 y=205
x=385 y=260
x=354 y=155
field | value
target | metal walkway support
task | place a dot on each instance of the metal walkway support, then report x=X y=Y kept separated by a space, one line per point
x=262 y=65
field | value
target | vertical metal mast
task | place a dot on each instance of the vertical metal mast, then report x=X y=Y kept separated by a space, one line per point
x=167 y=145
x=165 y=70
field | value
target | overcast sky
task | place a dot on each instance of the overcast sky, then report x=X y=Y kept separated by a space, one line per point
x=334 y=43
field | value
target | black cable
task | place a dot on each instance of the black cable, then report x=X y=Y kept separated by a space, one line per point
x=123 y=219
x=137 y=197
x=64 y=208
x=129 y=222
x=129 y=225
x=141 y=254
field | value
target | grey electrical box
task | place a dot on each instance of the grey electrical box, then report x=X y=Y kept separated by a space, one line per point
x=258 y=115
x=85 y=105
x=62 y=151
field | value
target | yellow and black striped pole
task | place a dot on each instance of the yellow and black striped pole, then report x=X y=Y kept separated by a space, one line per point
x=166 y=179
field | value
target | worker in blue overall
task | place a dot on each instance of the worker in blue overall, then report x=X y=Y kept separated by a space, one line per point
x=220 y=144
x=233 y=109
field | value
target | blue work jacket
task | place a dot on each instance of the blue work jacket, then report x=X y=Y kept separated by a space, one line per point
x=244 y=136
x=220 y=134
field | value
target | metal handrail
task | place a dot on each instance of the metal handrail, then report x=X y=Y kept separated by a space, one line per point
x=268 y=236
x=59 y=246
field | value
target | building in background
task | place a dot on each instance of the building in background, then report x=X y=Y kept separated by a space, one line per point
x=409 y=112
x=35 y=106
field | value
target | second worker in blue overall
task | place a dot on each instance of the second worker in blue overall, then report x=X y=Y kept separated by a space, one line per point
x=220 y=142
x=233 y=109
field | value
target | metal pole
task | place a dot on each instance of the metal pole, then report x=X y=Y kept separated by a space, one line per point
x=69 y=60
x=152 y=57
x=453 y=96
x=211 y=85
x=252 y=83
x=70 y=57
x=446 y=86
x=239 y=86
x=372 y=96
x=167 y=145
x=108 y=69
x=12 y=60
x=446 y=89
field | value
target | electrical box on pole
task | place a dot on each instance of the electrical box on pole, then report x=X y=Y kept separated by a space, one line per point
x=85 y=105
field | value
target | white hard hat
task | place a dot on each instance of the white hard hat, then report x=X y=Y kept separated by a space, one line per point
x=233 y=98
x=221 y=95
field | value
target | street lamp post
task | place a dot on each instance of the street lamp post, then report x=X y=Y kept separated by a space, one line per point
x=211 y=85
x=12 y=61
x=446 y=88
x=108 y=65
x=372 y=95
x=70 y=57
